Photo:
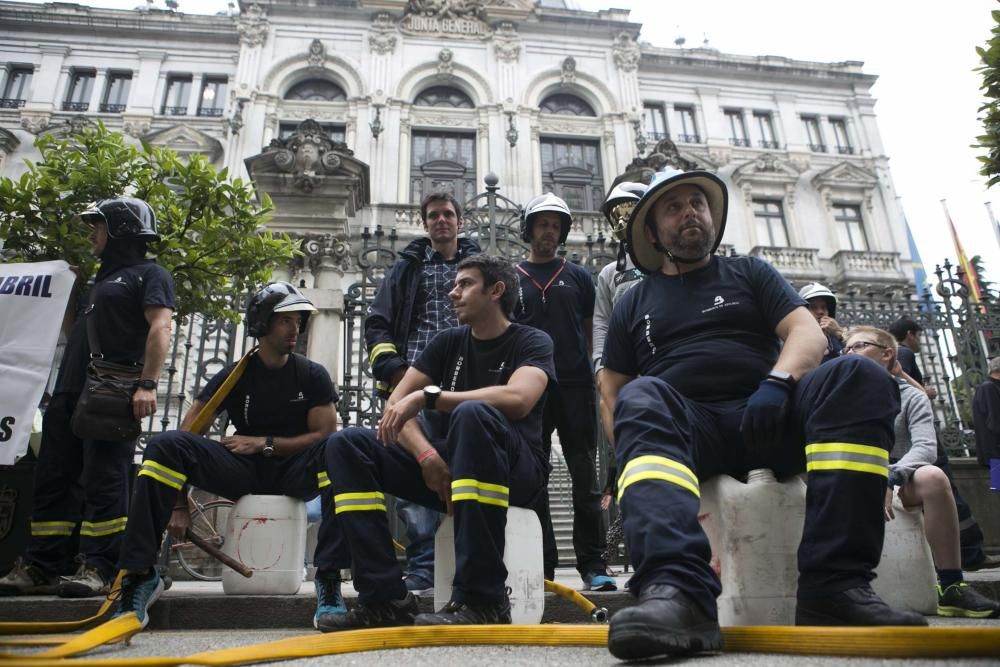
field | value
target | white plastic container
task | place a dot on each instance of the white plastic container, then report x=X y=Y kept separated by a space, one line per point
x=905 y=577
x=522 y=557
x=754 y=530
x=268 y=535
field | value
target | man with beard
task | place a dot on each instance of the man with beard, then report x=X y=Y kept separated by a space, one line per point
x=681 y=416
x=557 y=297
x=283 y=408
x=410 y=308
x=82 y=485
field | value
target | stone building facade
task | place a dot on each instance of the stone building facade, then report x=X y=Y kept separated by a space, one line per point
x=409 y=96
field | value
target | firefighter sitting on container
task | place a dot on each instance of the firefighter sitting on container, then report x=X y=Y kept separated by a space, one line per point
x=283 y=409
x=486 y=379
x=681 y=415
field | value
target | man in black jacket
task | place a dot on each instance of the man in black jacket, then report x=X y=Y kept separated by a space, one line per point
x=410 y=307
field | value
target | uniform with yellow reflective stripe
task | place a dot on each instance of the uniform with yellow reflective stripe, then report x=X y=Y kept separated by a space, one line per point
x=491 y=469
x=839 y=429
x=258 y=402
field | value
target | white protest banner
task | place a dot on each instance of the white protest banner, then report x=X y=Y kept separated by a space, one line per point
x=32 y=302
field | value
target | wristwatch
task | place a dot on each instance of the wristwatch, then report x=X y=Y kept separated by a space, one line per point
x=783 y=377
x=431 y=393
x=146 y=383
x=268 y=450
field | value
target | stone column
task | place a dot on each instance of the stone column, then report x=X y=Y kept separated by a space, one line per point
x=100 y=79
x=328 y=256
x=4 y=73
x=194 y=98
x=403 y=184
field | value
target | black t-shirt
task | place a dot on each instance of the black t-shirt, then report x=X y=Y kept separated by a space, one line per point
x=708 y=333
x=908 y=362
x=567 y=302
x=119 y=314
x=274 y=402
x=456 y=361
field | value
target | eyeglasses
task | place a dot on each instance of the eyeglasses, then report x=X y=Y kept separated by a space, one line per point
x=861 y=345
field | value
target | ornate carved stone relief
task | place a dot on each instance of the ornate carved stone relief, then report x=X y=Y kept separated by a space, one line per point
x=35 y=121
x=317 y=54
x=507 y=43
x=307 y=155
x=253 y=26
x=625 y=52
x=568 y=73
x=382 y=35
x=445 y=65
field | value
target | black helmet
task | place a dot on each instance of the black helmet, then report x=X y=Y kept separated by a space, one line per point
x=542 y=204
x=276 y=297
x=126 y=218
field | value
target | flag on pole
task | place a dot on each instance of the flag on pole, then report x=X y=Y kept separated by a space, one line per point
x=971 y=276
x=993 y=222
x=919 y=274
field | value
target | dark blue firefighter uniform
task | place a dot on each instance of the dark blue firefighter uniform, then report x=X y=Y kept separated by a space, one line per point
x=264 y=402
x=703 y=342
x=495 y=462
x=81 y=486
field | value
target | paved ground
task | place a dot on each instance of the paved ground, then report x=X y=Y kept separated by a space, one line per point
x=195 y=616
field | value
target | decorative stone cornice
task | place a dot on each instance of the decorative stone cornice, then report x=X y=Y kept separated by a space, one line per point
x=664 y=154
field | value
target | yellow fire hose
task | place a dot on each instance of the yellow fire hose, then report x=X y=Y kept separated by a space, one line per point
x=884 y=642
x=200 y=423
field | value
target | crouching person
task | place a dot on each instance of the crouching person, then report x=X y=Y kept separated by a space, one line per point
x=283 y=410
x=920 y=483
x=486 y=380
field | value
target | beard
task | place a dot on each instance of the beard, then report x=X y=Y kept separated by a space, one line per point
x=688 y=246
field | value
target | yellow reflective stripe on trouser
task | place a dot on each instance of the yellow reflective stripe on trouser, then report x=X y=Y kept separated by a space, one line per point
x=102 y=528
x=481 y=492
x=846 y=456
x=322 y=479
x=359 y=502
x=163 y=474
x=379 y=350
x=52 y=528
x=659 y=468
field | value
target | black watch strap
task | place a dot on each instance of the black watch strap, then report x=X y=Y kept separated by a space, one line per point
x=146 y=383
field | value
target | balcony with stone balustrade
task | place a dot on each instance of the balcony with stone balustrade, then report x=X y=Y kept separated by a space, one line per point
x=793 y=263
x=867 y=266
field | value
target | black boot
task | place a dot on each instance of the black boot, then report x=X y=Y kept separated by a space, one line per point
x=855 y=606
x=380 y=614
x=461 y=613
x=666 y=621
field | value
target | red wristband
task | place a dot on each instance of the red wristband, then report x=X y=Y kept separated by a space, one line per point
x=426 y=454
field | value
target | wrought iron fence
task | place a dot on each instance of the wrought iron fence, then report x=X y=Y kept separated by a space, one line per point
x=960 y=334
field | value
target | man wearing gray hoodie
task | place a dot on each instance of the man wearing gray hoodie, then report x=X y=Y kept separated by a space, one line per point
x=918 y=482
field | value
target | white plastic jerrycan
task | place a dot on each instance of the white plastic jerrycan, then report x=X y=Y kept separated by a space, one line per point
x=522 y=557
x=754 y=530
x=268 y=535
x=905 y=577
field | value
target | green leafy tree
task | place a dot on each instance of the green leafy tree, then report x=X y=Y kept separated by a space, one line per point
x=990 y=141
x=213 y=239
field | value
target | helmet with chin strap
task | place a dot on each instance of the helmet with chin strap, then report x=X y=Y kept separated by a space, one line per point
x=276 y=297
x=646 y=254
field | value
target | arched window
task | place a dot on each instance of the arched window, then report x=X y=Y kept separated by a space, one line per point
x=444 y=96
x=316 y=90
x=567 y=105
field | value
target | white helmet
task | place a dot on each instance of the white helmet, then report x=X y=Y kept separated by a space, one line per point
x=817 y=290
x=542 y=204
